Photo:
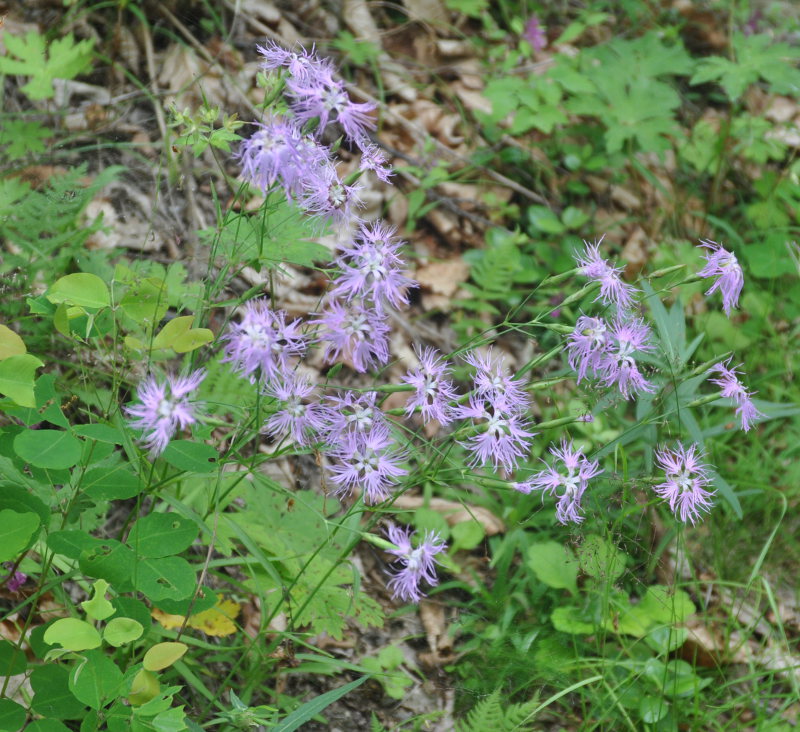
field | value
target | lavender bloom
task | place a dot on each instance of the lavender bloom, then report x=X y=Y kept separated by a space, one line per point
x=502 y=439
x=617 y=365
x=568 y=486
x=434 y=393
x=302 y=421
x=14 y=579
x=301 y=64
x=725 y=265
x=732 y=388
x=417 y=564
x=587 y=344
x=503 y=391
x=686 y=482
x=357 y=333
x=263 y=342
x=371 y=269
x=367 y=460
x=164 y=408
x=325 y=194
x=372 y=158
x=319 y=95
x=351 y=413
x=534 y=33
x=612 y=288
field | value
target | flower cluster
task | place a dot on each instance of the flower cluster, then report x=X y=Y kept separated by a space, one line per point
x=416 y=563
x=732 y=388
x=568 y=484
x=686 y=482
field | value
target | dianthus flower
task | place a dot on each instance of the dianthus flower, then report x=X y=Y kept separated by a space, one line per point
x=617 y=365
x=502 y=437
x=687 y=480
x=371 y=269
x=567 y=484
x=723 y=264
x=317 y=94
x=732 y=388
x=612 y=288
x=587 y=344
x=300 y=64
x=366 y=460
x=352 y=412
x=325 y=194
x=273 y=154
x=372 y=158
x=302 y=420
x=164 y=408
x=357 y=333
x=417 y=564
x=504 y=392
x=535 y=34
x=434 y=392
x=263 y=342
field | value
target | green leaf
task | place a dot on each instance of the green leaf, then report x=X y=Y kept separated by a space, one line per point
x=98 y=608
x=193 y=457
x=179 y=335
x=162 y=655
x=17 y=374
x=169 y=578
x=162 y=535
x=600 y=559
x=16 y=532
x=653 y=709
x=570 y=620
x=71 y=542
x=96 y=680
x=109 y=560
x=554 y=564
x=47 y=725
x=53 y=449
x=111 y=483
x=73 y=634
x=99 y=432
x=52 y=697
x=466 y=535
x=12 y=715
x=120 y=631
x=312 y=708
x=12 y=660
x=10 y=343
x=545 y=220
x=146 y=301
x=81 y=289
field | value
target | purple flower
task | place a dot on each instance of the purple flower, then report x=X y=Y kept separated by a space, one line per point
x=612 y=288
x=417 y=564
x=434 y=391
x=357 y=333
x=686 y=482
x=732 y=388
x=587 y=344
x=301 y=64
x=301 y=420
x=263 y=342
x=502 y=439
x=617 y=365
x=723 y=264
x=325 y=194
x=371 y=269
x=505 y=393
x=369 y=461
x=316 y=94
x=567 y=484
x=352 y=412
x=164 y=408
x=372 y=158
x=534 y=34
x=14 y=579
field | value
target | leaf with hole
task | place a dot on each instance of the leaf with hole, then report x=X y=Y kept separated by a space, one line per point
x=162 y=535
x=193 y=457
x=168 y=578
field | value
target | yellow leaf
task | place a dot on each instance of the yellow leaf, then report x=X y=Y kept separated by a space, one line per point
x=170 y=622
x=217 y=621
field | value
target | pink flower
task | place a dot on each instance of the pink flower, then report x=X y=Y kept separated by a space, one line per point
x=685 y=487
x=723 y=264
x=732 y=388
x=417 y=564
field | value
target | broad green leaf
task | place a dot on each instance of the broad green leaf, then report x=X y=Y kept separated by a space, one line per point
x=99 y=432
x=600 y=559
x=162 y=535
x=53 y=449
x=554 y=564
x=12 y=715
x=466 y=535
x=120 y=631
x=47 y=725
x=17 y=375
x=12 y=660
x=569 y=619
x=109 y=560
x=81 y=289
x=52 y=697
x=653 y=709
x=179 y=335
x=144 y=688
x=168 y=578
x=95 y=681
x=192 y=340
x=98 y=608
x=73 y=634
x=71 y=542
x=193 y=457
x=146 y=301
x=116 y=482
x=10 y=343
x=162 y=655
x=16 y=532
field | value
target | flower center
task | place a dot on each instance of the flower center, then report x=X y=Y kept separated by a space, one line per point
x=414 y=560
x=165 y=408
x=684 y=481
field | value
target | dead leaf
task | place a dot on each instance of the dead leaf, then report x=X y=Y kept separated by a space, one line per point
x=216 y=621
x=454 y=512
x=443 y=278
